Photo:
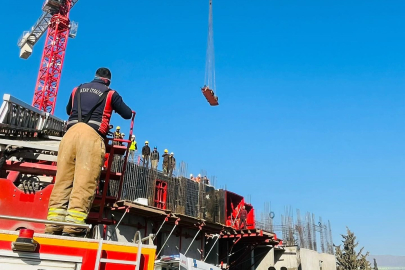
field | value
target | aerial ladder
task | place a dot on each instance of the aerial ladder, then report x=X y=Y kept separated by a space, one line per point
x=55 y=19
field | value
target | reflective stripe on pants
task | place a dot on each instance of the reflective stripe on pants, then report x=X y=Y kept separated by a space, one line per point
x=56 y=214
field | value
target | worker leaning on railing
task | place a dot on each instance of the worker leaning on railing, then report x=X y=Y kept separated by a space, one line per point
x=81 y=152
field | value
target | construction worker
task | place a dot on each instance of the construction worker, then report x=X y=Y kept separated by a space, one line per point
x=191 y=177
x=198 y=178
x=242 y=216
x=122 y=137
x=146 y=154
x=154 y=157
x=172 y=164
x=206 y=181
x=81 y=152
x=132 y=149
x=117 y=135
x=165 y=161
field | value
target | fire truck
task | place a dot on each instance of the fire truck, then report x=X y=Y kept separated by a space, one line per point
x=29 y=140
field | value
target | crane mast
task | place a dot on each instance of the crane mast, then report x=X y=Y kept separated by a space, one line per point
x=55 y=18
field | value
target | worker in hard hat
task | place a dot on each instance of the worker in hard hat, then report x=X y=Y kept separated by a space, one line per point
x=145 y=154
x=81 y=152
x=117 y=135
x=192 y=176
x=172 y=164
x=132 y=149
x=154 y=158
x=242 y=218
x=198 y=178
x=165 y=161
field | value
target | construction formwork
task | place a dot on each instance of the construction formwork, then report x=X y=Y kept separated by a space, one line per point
x=181 y=195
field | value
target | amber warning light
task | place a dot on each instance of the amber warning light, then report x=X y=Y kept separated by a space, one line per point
x=25 y=241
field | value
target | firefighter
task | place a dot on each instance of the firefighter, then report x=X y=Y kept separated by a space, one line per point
x=132 y=149
x=81 y=152
x=146 y=154
x=154 y=157
x=171 y=164
x=165 y=161
x=242 y=217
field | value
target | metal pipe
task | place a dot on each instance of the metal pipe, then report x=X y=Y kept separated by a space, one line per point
x=236 y=216
x=161 y=226
x=126 y=211
x=166 y=240
x=195 y=236
x=213 y=245
x=147 y=238
x=45 y=221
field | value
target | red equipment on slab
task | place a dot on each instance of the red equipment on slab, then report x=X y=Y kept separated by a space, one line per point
x=233 y=206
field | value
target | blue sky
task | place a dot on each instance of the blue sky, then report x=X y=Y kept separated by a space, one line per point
x=312 y=100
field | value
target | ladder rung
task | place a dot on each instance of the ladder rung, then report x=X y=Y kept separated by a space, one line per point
x=118 y=261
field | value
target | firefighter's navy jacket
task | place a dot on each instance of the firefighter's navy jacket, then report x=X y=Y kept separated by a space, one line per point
x=90 y=94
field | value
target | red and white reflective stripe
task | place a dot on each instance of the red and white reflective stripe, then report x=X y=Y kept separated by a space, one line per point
x=107 y=111
x=73 y=98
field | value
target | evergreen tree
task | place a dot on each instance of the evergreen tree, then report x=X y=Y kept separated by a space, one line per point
x=347 y=258
x=375 y=265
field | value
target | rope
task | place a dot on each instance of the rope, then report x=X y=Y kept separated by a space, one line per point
x=210 y=54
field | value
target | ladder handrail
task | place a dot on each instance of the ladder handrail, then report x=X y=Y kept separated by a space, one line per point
x=45 y=221
x=138 y=255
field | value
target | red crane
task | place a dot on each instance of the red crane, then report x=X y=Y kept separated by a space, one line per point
x=55 y=18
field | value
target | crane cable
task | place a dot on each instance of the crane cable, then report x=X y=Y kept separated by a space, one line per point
x=210 y=56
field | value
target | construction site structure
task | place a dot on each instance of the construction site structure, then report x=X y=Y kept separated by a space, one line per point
x=294 y=231
x=176 y=214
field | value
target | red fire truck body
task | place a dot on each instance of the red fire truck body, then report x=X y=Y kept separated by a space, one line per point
x=58 y=252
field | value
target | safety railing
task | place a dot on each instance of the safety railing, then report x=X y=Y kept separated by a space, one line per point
x=45 y=221
x=16 y=115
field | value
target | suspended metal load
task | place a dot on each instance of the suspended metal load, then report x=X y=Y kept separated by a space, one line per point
x=210 y=96
x=209 y=86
